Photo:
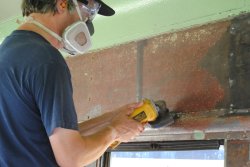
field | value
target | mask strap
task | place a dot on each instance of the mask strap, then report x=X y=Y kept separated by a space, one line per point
x=78 y=9
x=32 y=20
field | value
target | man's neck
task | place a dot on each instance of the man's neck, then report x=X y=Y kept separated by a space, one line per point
x=47 y=21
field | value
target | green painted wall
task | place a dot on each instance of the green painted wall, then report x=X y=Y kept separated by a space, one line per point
x=138 y=19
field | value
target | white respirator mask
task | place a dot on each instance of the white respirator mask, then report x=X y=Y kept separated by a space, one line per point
x=76 y=37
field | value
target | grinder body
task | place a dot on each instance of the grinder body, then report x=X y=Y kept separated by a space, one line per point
x=146 y=113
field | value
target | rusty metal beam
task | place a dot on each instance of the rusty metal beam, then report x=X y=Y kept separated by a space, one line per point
x=237 y=153
x=216 y=124
x=202 y=73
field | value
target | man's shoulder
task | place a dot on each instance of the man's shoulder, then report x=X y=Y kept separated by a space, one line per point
x=30 y=47
x=32 y=42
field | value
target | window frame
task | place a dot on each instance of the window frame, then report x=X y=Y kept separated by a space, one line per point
x=161 y=146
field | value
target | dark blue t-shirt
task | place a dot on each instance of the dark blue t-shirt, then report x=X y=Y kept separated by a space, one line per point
x=35 y=98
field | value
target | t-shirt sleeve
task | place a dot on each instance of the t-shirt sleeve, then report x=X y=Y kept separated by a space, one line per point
x=54 y=96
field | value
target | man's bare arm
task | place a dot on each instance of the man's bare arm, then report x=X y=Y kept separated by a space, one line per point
x=95 y=124
x=72 y=149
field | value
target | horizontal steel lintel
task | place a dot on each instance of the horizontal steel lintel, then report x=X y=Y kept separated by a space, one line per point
x=207 y=125
x=191 y=135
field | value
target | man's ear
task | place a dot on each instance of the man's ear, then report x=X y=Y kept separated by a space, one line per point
x=61 y=5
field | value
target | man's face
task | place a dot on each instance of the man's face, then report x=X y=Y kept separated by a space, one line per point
x=88 y=11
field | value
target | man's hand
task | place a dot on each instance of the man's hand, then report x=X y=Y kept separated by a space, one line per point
x=125 y=127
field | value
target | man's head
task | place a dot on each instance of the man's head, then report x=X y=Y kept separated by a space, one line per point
x=45 y=6
x=42 y=6
x=51 y=6
x=68 y=21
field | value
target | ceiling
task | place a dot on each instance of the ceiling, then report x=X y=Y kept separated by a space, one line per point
x=138 y=19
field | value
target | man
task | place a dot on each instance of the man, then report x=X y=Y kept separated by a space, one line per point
x=38 y=123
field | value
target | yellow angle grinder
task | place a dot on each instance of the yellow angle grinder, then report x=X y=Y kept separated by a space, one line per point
x=154 y=113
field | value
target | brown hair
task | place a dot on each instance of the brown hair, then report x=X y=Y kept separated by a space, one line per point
x=42 y=6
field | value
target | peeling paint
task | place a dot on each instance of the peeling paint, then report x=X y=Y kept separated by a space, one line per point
x=199 y=135
x=173 y=37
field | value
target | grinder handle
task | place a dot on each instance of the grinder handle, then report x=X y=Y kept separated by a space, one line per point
x=114 y=144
